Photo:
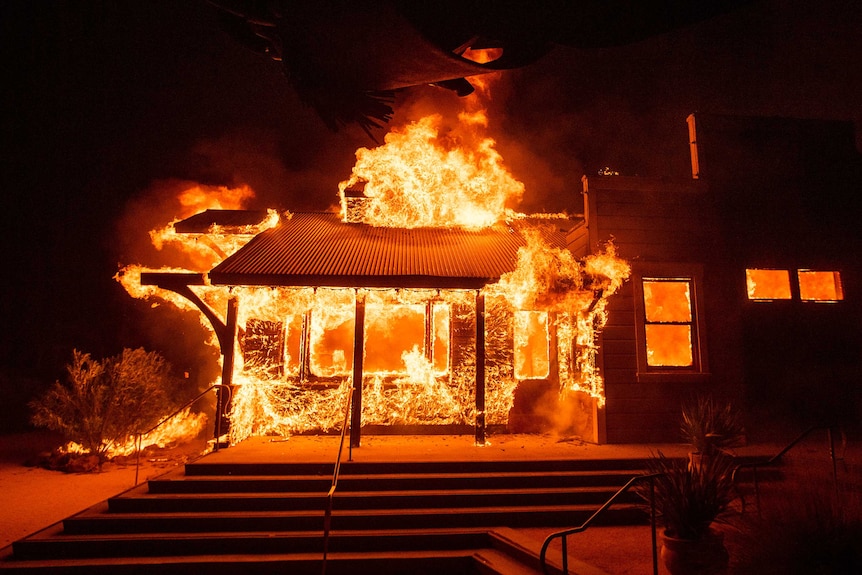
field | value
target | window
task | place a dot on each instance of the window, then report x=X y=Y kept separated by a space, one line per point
x=767 y=285
x=390 y=331
x=440 y=337
x=771 y=285
x=667 y=304
x=668 y=322
x=820 y=286
x=532 y=356
x=331 y=338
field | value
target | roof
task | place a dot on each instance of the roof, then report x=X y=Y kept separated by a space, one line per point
x=319 y=250
x=233 y=221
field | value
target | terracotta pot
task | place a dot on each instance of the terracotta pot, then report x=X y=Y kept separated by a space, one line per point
x=704 y=556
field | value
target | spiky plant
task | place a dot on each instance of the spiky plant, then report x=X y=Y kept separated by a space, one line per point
x=689 y=498
x=711 y=427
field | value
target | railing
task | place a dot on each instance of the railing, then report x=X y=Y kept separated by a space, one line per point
x=562 y=535
x=754 y=465
x=186 y=405
x=327 y=517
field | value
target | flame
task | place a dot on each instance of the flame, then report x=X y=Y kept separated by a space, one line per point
x=575 y=294
x=184 y=426
x=422 y=178
x=294 y=353
x=203 y=251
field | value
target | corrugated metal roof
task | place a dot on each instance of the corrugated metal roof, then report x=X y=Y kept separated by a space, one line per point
x=318 y=249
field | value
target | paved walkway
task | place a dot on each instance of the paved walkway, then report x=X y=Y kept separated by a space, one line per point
x=374 y=448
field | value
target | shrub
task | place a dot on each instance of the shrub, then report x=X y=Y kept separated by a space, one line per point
x=105 y=403
x=809 y=529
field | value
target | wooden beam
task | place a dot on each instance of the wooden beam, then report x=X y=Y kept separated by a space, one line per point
x=358 y=348
x=480 y=368
x=227 y=350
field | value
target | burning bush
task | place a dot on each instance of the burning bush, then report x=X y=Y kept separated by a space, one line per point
x=104 y=403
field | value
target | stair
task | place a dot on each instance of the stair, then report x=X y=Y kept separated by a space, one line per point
x=456 y=517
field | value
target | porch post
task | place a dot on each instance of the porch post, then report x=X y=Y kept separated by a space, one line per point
x=358 y=349
x=222 y=424
x=480 y=368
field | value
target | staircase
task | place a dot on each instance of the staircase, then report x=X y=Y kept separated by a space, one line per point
x=456 y=517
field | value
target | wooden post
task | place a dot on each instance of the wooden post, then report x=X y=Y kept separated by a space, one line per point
x=222 y=423
x=480 y=369
x=429 y=331
x=358 y=352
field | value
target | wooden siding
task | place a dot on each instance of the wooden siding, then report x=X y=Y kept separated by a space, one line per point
x=650 y=220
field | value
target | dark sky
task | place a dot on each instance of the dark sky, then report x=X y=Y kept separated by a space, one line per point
x=108 y=104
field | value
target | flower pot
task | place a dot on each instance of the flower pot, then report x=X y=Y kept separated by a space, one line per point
x=704 y=556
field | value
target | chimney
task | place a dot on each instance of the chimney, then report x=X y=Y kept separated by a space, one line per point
x=692 y=142
x=355 y=203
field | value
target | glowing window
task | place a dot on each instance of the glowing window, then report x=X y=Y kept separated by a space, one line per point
x=532 y=360
x=767 y=284
x=440 y=339
x=390 y=331
x=668 y=327
x=331 y=346
x=820 y=286
x=293 y=344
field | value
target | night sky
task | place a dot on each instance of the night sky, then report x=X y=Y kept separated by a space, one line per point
x=111 y=107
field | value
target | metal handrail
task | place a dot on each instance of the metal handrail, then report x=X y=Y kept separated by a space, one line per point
x=754 y=465
x=564 y=534
x=174 y=414
x=327 y=516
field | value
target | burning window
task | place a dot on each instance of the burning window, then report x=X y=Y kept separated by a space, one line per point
x=440 y=337
x=820 y=286
x=332 y=334
x=669 y=322
x=263 y=347
x=764 y=284
x=391 y=331
x=531 y=345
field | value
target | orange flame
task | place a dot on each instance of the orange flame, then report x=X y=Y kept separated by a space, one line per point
x=422 y=178
x=294 y=351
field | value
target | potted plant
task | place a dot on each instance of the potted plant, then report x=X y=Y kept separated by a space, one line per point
x=710 y=427
x=689 y=500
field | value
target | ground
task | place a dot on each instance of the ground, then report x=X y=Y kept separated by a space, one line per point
x=34 y=498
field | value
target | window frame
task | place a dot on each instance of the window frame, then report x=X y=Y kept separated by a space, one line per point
x=693 y=274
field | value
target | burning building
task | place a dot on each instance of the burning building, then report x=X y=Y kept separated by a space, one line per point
x=455 y=316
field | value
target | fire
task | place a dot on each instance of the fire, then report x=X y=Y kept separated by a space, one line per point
x=204 y=250
x=294 y=352
x=201 y=251
x=556 y=291
x=422 y=178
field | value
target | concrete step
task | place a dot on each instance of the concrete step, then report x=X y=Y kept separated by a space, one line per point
x=142 y=501
x=211 y=465
x=98 y=520
x=55 y=543
x=458 y=562
x=416 y=517
x=178 y=482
